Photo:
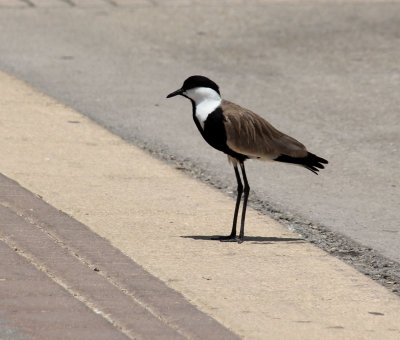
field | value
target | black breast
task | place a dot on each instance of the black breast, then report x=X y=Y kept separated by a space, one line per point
x=215 y=134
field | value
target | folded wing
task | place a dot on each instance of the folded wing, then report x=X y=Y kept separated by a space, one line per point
x=251 y=135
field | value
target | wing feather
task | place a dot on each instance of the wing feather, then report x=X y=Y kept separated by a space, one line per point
x=251 y=135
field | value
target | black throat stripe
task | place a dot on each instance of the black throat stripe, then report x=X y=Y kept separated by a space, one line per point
x=215 y=134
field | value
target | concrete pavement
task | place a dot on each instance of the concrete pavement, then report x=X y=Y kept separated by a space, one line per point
x=59 y=280
x=273 y=286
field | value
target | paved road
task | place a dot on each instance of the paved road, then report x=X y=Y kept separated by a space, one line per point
x=327 y=73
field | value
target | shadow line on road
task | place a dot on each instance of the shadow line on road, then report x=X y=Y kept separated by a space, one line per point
x=254 y=239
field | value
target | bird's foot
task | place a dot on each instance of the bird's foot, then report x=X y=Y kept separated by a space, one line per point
x=230 y=238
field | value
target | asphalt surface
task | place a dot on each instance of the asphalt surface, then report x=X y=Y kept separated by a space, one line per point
x=326 y=73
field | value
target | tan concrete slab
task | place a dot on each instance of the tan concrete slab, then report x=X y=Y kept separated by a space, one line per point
x=272 y=286
x=92 y=271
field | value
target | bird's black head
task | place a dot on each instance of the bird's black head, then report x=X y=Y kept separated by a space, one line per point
x=193 y=82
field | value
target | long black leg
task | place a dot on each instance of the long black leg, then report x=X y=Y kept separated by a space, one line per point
x=246 y=195
x=232 y=236
x=238 y=198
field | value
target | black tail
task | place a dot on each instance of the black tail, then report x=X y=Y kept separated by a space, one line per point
x=310 y=162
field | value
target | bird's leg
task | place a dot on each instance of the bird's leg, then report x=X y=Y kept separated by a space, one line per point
x=246 y=195
x=238 y=198
x=232 y=236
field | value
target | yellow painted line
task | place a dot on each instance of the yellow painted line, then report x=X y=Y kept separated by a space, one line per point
x=270 y=288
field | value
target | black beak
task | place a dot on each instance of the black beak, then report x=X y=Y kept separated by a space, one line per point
x=175 y=93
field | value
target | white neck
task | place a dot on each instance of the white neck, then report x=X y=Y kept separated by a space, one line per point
x=206 y=101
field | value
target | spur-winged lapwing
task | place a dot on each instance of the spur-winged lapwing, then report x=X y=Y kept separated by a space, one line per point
x=241 y=134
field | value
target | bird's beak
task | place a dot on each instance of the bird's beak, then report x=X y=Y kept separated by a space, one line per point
x=175 y=93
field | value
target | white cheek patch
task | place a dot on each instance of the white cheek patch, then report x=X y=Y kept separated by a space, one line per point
x=204 y=109
x=206 y=101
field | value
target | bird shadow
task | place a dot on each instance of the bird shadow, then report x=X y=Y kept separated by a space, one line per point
x=253 y=239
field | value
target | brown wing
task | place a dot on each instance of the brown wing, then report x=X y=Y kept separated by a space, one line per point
x=252 y=135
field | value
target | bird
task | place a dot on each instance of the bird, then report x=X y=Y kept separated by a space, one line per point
x=241 y=134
